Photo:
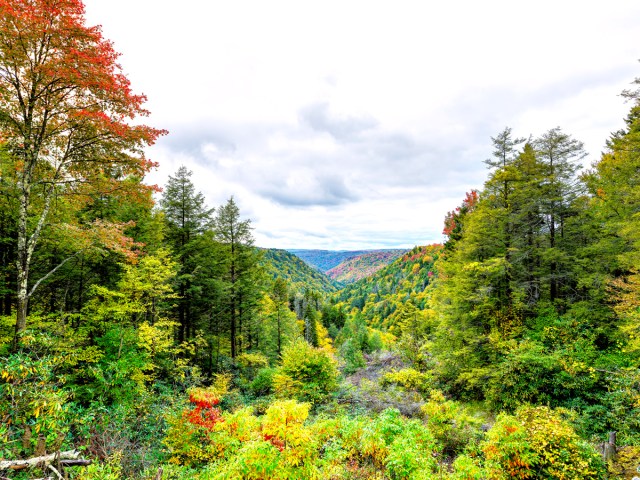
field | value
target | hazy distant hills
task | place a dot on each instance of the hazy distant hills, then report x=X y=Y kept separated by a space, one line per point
x=325 y=260
x=361 y=266
x=326 y=270
x=299 y=275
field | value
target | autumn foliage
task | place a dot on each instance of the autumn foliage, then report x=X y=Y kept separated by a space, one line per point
x=67 y=111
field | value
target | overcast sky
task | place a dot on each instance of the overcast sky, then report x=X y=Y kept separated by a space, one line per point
x=359 y=124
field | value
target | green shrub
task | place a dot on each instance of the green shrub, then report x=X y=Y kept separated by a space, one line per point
x=539 y=442
x=262 y=383
x=308 y=374
x=33 y=405
x=450 y=423
x=352 y=355
x=467 y=468
x=410 y=453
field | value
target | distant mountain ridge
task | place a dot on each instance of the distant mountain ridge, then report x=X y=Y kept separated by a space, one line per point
x=325 y=260
x=299 y=274
x=362 y=266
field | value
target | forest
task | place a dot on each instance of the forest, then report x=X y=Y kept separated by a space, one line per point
x=144 y=335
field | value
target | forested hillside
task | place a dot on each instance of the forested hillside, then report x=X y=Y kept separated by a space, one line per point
x=325 y=260
x=143 y=335
x=384 y=297
x=298 y=274
x=356 y=268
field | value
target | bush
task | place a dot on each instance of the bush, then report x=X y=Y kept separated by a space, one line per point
x=450 y=423
x=352 y=355
x=307 y=374
x=33 y=405
x=467 y=468
x=409 y=379
x=262 y=383
x=539 y=442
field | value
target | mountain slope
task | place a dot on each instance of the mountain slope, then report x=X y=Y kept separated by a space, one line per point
x=325 y=260
x=383 y=297
x=299 y=275
x=357 y=268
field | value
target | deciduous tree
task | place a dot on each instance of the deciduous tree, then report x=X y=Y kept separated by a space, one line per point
x=65 y=112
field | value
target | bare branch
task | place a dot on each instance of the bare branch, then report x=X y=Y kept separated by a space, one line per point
x=51 y=272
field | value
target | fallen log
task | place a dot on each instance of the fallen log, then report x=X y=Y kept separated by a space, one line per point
x=69 y=458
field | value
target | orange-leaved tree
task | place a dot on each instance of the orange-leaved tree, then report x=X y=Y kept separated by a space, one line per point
x=66 y=118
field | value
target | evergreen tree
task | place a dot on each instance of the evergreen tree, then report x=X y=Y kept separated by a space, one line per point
x=241 y=281
x=187 y=218
x=559 y=153
x=518 y=242
x=280 y=297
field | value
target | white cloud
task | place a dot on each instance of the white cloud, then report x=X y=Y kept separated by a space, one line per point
x=359 y=124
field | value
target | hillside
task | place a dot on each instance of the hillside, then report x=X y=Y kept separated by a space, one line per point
x=382 y=297
x=325 y=260
x=362 y=266
x=299 y=275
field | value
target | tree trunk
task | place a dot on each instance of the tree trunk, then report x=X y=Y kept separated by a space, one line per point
x=22 y=300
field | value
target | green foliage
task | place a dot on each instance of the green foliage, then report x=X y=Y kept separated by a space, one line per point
x=539 y=442
x=34 y=405
x=121 y=374
x=380 y=296
x=262 y=383
x=297 y=273
x=467 y=468
x=352 y=355
x=362 y=266
x=451 y=424
x=307 y=373
x=109 y=470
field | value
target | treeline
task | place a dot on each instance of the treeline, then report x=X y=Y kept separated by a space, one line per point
x=298 y=274
x=535 y=297
x=197 y=275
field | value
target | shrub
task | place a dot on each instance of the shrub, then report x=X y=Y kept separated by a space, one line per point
x=467 y=468
x=539 y=442
x=189 y=436
x=262 y=383
x=450 y=423
x=33 y=405
x=352 y=355
x=409 y=379
x=308 y=374
x=410 y=453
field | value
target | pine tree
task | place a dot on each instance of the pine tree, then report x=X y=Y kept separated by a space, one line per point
x=280 y=296
x=187 y=218
x=560 y=154
x=241 y=278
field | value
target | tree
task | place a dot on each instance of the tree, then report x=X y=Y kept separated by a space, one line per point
x=280 y=297
x=187 y=219
x=560 y=154
x=240 y=265
x=65 y=112
x=516 y=247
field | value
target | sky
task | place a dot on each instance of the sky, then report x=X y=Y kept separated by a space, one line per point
x=359 y=124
